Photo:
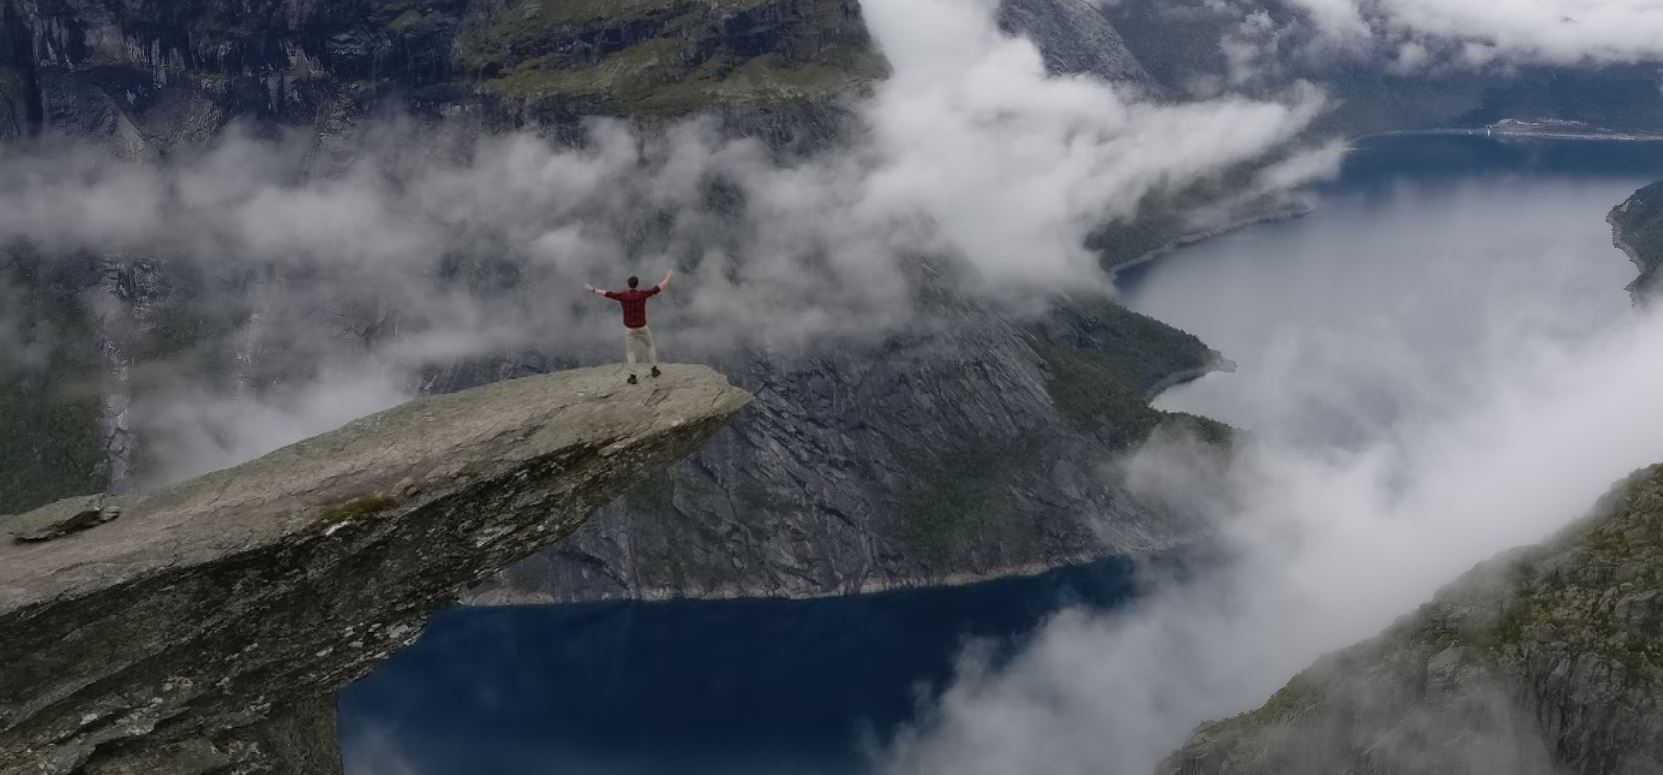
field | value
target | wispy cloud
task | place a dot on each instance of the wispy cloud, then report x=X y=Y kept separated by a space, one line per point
x=431 y=245
x=1487 y=444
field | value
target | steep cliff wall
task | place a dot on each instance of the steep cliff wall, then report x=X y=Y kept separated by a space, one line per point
x=970 y=449
x=205 y=627
x=1637 y=230
x=1543 y=660
x=146 y=77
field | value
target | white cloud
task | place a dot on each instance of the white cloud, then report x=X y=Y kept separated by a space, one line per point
x=1515 y=402
x=1517 y=31
x=971 y=157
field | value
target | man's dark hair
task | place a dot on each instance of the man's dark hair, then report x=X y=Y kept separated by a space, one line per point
x=634 y=281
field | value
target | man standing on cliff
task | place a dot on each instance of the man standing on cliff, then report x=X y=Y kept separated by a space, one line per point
x=636 y=332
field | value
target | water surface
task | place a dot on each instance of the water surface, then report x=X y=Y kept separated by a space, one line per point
x=1429 y=256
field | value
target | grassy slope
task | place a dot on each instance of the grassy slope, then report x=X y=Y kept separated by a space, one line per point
x=646 y=57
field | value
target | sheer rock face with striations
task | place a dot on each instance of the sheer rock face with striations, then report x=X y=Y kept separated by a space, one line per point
x=1542 y=661
x=1075 y=37
x=205 y=627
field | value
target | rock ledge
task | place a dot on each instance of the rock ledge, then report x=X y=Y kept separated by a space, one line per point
x=207 y=628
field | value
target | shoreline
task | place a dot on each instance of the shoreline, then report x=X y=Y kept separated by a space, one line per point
x=1285 y=210
x=1635 y=292
x=501 y=599
x=1216 y=364
x=1519 y=134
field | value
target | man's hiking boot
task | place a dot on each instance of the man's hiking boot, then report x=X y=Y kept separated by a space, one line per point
x=655 y=371
x=632 y=379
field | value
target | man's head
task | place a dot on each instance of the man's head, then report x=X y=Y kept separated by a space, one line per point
x=634 y=282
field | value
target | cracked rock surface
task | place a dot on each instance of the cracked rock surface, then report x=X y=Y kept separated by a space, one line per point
x=207 y=628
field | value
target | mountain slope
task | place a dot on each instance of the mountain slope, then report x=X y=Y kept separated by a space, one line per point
x=967 y=449
x=1637 y=230
x=1543 y=660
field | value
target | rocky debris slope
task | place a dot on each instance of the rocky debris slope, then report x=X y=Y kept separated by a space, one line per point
x=1637 y=230
x=1543 y=660
x=205 y=627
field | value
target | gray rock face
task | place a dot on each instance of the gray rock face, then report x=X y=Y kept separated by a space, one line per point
x=1637 y=230
x=1544 y=660
x=206 y=628
x=147 y=77
x=937 y=457
x=1075 y=37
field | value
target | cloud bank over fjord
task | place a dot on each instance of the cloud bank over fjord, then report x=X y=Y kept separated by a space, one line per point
x=972 y=170
x=1519 y=391
x=1418 y=35
x=1480 y=32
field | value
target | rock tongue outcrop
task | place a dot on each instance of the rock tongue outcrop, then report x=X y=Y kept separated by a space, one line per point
x=205 y=628
x=1545 y=660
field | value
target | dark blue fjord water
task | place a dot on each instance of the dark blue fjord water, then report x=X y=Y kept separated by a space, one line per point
x=748 y=686
x=1415 y=251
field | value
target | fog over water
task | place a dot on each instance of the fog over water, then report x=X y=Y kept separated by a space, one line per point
x=1438 y=363
x=1397 y=293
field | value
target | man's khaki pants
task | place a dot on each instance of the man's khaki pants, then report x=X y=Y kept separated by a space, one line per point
x=639 y=337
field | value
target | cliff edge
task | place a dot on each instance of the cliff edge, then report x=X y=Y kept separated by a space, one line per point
x=205 y=627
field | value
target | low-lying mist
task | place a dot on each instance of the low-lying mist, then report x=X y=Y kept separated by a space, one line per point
x=970 y=171
x=1431 y=374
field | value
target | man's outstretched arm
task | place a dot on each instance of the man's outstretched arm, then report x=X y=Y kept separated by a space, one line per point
x=665 y=281
x=593 y=289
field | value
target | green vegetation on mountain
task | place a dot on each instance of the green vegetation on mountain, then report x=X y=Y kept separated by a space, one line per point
x=669 y=56
x=967 y=499
x=1106 y=362
x=1638 y=228
x=49 y=444
x=1544 y=659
